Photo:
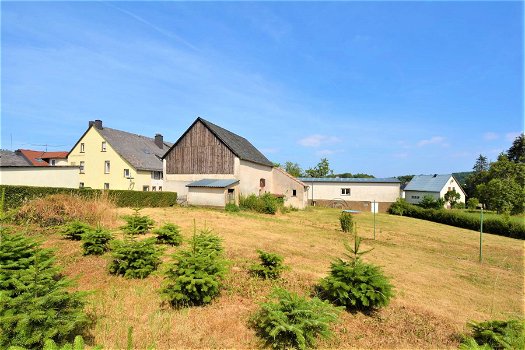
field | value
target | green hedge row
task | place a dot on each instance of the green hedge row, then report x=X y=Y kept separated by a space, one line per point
x=497 y=226
x=15 y=196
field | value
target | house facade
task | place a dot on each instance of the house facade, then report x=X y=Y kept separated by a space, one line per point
x=114 y=159
x=210 y=161
x=17 y=170
x=435 y=186
x=353 y=193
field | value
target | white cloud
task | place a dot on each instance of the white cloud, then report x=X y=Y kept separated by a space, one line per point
x=434 y=140
x=511 y=136
x=489 y=136
x=318 y=140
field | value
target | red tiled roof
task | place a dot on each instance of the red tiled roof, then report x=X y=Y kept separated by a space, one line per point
x=39 y=158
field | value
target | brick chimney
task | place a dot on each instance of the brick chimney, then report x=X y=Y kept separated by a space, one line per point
x=159 y=140
x=97 y=123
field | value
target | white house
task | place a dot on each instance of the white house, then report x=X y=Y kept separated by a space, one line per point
x=15 y=169
x=435 y=186
x=209 y=165
x=353 y=193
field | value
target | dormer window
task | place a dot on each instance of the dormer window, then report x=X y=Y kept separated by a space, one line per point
x=103 y=146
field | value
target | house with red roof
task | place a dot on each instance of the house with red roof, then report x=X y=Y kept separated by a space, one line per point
x=44 y=158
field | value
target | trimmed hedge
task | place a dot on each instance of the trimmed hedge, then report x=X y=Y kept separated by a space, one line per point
x=15 y=196
x=499 y=226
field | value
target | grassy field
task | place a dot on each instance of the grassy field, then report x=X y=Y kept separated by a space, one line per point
x=440 y=284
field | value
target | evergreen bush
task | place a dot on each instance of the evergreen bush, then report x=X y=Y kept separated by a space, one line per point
x=168 y=234
x=134 y=259
x=195 y=277
x=78 y=344
x=35 y=304
x=270 y=267
x=75 y=229
x=495 y=334
x=347 y=221
x=355 y=284
x=96 y=241
x=291 y=321
x=472 y=203
x=136 y=223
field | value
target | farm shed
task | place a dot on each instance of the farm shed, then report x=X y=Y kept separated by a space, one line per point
x=209 y=152
x=213 y=193
x=353 y=193
x=435 y=186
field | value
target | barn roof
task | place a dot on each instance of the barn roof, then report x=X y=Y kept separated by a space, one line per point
x=428 y=183
x=222 y=183
x=241 y=147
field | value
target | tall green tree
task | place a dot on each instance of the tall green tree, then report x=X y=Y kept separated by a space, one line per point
x=293 y=169
x=478 y=176
x=322 y=169
x=516 y=152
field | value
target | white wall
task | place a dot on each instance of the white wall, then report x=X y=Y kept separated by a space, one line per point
x=215 y=197
x=453 y=185
x=415 y=197
x=359 y=192
x=250 y=175
x=285 y=184
x=55 y=176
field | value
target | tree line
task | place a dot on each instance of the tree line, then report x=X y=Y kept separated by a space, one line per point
x=322 y=169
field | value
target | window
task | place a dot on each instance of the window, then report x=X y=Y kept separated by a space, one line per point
x=345 y=191
x=449 y=188
x=145 y=188
x=160 y=188
x=103 y=146
x=106 y=185
x=106 y=167
x=127 y=174
x=294 y=193
x=82 y=147
x=415 y=197
x=82 y=167
x=154 y=188
x=81 y=185
x=453 y=188
x=157 y=175
x=53 y=162
x=262 y=182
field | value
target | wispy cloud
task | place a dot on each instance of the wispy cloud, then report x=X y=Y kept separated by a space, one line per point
x=511 y=136
x=489 y=136
x=318 y=140
x=434 y=140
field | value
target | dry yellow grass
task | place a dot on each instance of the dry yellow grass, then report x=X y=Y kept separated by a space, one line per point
x=440 y=285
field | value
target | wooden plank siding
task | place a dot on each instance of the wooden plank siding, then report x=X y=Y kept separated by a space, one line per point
x=200 y=152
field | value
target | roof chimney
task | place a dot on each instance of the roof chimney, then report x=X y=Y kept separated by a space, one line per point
x=159 y=140
x=97 y=123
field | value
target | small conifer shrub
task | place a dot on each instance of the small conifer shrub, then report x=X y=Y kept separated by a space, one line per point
x=496 y=334
x=347 y=221
x=75 y=229
x=168 y=234
x=196 y=276
x=134 y=259
x=355 y=284
x=35 y=303
x=137 y=224
x=96 y=241
x=290 y=321
x=78 y=344
x=270 y=267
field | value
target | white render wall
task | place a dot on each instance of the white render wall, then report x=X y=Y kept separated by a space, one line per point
x=415 y=197
x=207 y=196
x=359 y=192
x=284 y=184
x=53 y=176
x=250 y=175
x=453 y=185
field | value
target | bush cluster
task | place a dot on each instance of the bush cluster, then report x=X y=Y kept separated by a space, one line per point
x=347 y=221
x=291 y=321
x=35 y=304
x=195 y=277
x=270 y=267
x=16 y=196
x=137 y=224
x=232 y=208
x=168 y=234
x=96 y=242
x=497 y=226
x=133 y=258
x=496 y=335
x=265 y=203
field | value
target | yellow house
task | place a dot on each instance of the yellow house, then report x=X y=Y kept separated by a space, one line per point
x=118 y=160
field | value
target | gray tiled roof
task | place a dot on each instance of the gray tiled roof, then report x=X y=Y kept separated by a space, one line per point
x=349 y=179
x=10 y=158
x=428 y=183
x=140 y=151
x=222 y=183
x=241 y=147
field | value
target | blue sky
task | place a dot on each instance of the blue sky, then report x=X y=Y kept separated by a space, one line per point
x=382 y=88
